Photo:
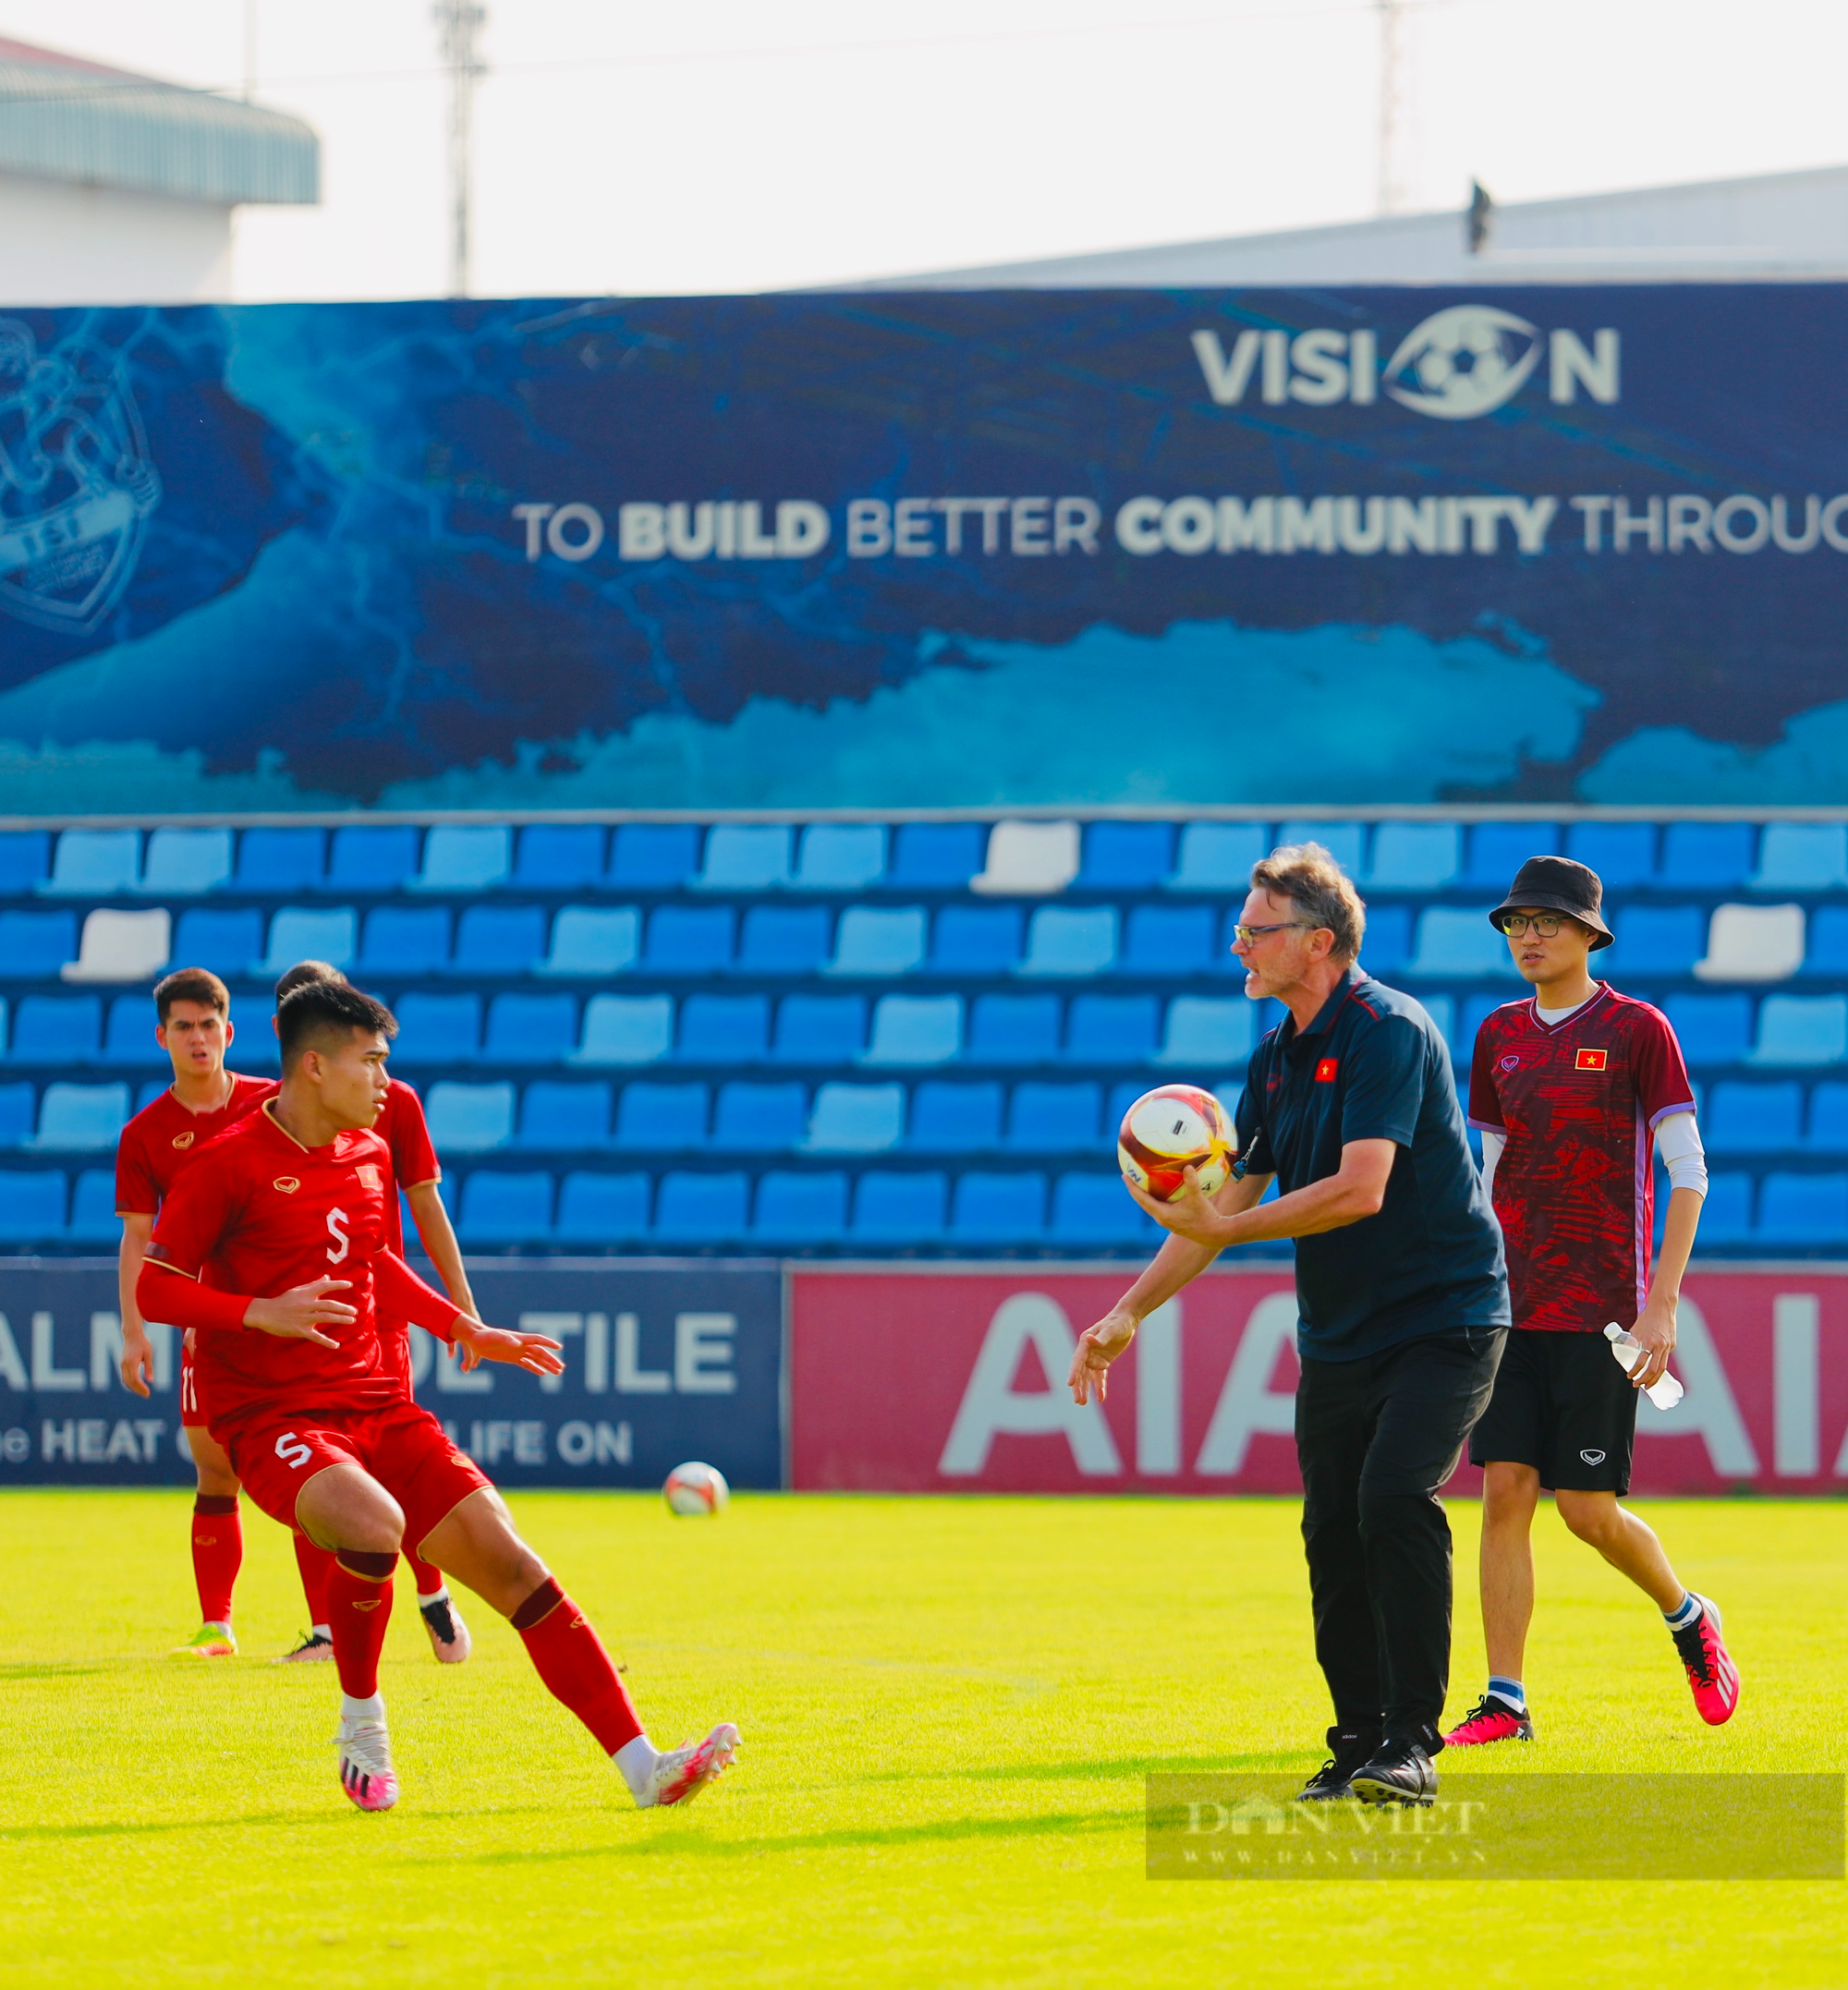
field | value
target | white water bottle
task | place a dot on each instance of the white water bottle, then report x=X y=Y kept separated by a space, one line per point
x=1629 y=1350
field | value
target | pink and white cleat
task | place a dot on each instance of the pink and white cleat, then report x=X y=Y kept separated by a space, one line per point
x=366 y=1772
x=1712 y=1677
x=680 y=1775
x=1491 y=1720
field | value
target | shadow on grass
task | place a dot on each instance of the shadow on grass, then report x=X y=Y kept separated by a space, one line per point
x=54 y=1669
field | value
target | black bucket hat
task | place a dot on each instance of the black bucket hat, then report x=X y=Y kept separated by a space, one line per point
x=1557 y=884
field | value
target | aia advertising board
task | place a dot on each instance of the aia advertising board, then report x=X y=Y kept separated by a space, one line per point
x=951 y=1379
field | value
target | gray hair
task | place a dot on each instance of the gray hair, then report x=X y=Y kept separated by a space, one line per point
x=1321 y=891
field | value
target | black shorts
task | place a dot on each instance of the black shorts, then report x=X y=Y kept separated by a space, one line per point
x=1563 y=1406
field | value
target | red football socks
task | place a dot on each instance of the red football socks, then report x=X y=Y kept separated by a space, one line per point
x=427 y=1576
x=569 y=1658
x=315 y=1564
x=358 y=1609
x=217 y=1554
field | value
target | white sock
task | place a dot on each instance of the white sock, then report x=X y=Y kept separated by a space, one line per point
x=636 y=1760
x=440 y=1595
x=322 y=1631
x=1684 y=1613
x=372 y=1708
x=215 y=1624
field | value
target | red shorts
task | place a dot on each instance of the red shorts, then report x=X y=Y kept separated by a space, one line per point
x=404 y=1447
x=190 y=1416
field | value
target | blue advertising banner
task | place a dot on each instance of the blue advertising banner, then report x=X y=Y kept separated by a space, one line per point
x=944 y=549
x=664 y=1363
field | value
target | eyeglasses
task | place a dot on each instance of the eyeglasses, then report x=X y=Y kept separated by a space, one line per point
x=1542 y=925
x=1244 y=935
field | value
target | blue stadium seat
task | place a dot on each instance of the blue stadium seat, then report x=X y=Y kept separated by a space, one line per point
x=1826 y=954
x=1096 y=1209
x=1713 y=1029
x=840 y=856
x=93 y=1208
x=1013 y=1029
x=1752 y=1119
x=626 y=1029
x=1801 y=1029
x=1208 y=1031
x=24 y=856
x=784 y=939
x=1217 y=856
x=800 y=1209
x=129 y=1036
x=297 y=933
x=562 y=1118
x=1441 y=1010
x=744 y=857
x=701 y=1208
x=1053 y=1119
x=80 y=1118
x=998 y=1208
x=34 y=945
x=1708 y=856
x=1171 y=942
x=1802 y=856
x=947 y=1118
x=819 y=1029
x=935 y=856
x=898 y=1209
x=1803 y=1209
x=687 y=940
x=1342 y=840
x=275 y=861
x=855 y=1118
x=31 y=1207
x=184 y=863
x=95 y=864
x=15 y=1115
x=1622 y=854
x=724 y=1029
x=371 y=860
x=1126 y=856
x=1497 y=850
x=403 y=940
x=664 y=1119
x=1726 y=1214
x=1070 y=940
x=592 y=941
x=530 y=1029
x=558 y=857
x=1415 y=857
x=499 y=1207
x=1112 y=1030
x=1385 y=948
x=1654 y=940
x=654 y=856
x=498 y=941
x=915 y=1029
x=760 y=1119
x=1476 y=1009
x=885 y=942
x=463 y=857
x=603 y=1209
x=1829 y=1118
x=226 y=941
x=1460 y=945
x=974 y=940
x=437 y=1029
x=470 y=1119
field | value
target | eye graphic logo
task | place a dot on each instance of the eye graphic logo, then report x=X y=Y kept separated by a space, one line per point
x=1463 y=362
x=76 y=484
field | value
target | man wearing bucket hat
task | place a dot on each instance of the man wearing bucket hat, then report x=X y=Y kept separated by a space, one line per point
x=1571 y=1091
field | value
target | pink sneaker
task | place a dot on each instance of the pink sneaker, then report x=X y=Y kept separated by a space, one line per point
x=1712 y=1677
x=366 y=1772
x=1491 y=1721
x=682 y=1774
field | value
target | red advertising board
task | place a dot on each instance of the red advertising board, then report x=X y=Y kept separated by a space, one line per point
x=947 y=1379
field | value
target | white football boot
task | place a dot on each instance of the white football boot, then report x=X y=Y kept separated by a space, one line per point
x=682 y=1773
x=366 y=1772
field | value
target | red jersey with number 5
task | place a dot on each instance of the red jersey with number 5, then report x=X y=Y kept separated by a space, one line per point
x=1578 y=1102
x=258 y=1213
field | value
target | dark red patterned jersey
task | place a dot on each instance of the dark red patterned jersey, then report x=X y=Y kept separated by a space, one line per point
x=1579 y=1103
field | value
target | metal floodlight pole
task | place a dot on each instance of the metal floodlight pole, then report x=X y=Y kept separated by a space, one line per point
x=459 y=22
x=1391 y=194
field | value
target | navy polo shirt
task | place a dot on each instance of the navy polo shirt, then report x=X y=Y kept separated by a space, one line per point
x=1373 y=1066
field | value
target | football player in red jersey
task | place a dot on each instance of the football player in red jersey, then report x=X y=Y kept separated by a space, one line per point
x=193 y=1009
x=1574 y=1092
x=273 y=1250
x=415 y=1169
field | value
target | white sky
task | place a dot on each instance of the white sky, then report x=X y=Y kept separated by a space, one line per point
x=720 y=145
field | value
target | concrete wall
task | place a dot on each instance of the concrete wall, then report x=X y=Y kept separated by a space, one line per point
x=64 y=244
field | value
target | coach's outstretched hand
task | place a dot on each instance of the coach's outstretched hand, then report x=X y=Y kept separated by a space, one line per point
x=531 y=1352
x=300 y=1313
x=1097 y=1347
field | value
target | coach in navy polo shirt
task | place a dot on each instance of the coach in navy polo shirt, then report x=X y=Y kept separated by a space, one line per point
x=1402 y=1296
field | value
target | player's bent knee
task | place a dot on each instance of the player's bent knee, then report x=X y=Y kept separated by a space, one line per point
x=345 y=1506
x=1595 y=1518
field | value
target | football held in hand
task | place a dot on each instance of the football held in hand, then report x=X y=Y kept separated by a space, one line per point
x=1168 y=1130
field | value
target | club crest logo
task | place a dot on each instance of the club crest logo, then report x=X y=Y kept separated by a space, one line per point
x=287 y=1184
x=1590 y=1061
x=76 y=484
x=184 y=1140
x=1592 y=1458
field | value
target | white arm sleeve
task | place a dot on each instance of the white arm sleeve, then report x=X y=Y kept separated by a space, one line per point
x=1678 y=1143
x=1492 y=1144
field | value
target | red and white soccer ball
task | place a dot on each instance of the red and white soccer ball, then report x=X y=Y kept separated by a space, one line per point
x=693 y=1489
x=1175 y=1126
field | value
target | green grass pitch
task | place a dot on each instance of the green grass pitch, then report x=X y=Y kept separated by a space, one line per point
x=948 y=1707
